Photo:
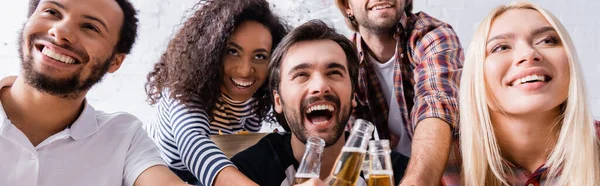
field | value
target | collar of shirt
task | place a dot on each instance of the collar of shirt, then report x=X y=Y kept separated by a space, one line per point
x=85 y=125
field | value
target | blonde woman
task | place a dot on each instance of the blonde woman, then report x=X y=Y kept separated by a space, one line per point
x=523 y=113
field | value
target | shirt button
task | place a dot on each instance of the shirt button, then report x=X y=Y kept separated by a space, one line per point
x=33 y=157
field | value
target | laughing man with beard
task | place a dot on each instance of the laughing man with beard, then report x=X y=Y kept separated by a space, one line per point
x=49 y=134
x=311 y=69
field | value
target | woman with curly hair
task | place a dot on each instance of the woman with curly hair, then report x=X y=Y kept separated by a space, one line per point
x=211 y=79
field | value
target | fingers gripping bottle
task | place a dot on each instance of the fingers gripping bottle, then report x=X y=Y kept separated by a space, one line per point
x=346 y=169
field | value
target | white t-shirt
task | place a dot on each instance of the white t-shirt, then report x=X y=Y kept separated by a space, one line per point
x=98 y=149
x=385 y=75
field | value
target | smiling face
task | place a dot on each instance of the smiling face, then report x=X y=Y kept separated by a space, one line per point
x=67 y=46
x=315 y=92
x=526 y=68
x=376 y=15
x=246 y=60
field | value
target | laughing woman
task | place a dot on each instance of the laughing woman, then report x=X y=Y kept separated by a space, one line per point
x=210 y=79
x=523 y=113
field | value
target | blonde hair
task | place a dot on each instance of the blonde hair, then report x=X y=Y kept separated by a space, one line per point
x=574 y=160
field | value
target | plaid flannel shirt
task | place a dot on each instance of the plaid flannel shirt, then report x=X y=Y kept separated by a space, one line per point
x=426 y=75
x=521 y=176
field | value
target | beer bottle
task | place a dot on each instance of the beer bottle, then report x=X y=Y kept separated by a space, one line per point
x=310 y=167
x=380 y=163
x=346 y=169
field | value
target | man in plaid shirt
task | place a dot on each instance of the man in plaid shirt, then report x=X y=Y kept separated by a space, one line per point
x=410 y=66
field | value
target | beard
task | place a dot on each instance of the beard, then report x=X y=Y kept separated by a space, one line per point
x=381 y=26
x=71 y=87
x=295 y=119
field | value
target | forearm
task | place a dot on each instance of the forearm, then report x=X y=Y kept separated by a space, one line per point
x=430 y=148
x=231 y=176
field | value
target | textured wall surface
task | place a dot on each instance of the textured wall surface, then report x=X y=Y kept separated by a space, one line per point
x=159 y=19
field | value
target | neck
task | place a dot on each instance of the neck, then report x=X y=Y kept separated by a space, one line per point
x=327 y=162
x=36 y=114
x=527 y=140
x=380 y=43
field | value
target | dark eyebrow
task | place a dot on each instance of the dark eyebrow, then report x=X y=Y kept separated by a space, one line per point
x=336 y=65
x=261 y=50
x=300 y=67
x=235 y=45
x=57 y=4
x=542 y=30
x=96 y=19
x=85 y=16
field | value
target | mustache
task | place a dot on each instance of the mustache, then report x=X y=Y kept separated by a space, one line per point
x=79 y=52
x=328 y=97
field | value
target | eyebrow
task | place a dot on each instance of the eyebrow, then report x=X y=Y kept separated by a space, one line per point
x=542 y=30
x=84 y=16
x=97 y=20
x=336 y=65
x=534 y=32
x=242 y=49
x=300 y=67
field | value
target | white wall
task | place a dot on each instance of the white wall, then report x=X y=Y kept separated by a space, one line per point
x=159 y=19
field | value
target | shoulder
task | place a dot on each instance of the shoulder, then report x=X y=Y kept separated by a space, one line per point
x=265 y=163
x=423 y=21
x=122 y=119
x=266 y=149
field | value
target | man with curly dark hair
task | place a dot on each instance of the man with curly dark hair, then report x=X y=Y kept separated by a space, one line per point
x=49 y=133
x=211 y=80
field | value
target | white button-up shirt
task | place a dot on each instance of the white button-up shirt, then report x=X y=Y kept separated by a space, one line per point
x=98 y=149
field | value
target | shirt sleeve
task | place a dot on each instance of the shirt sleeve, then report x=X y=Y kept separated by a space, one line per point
x=191 y=130
x=439 y=56
x=142 y=154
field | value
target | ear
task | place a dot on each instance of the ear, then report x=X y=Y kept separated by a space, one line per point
x=277 y=102
x=115 y=64
x=354 y=104
x=347 y=8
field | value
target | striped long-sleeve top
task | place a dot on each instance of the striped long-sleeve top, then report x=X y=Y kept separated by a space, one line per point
x=182 y=133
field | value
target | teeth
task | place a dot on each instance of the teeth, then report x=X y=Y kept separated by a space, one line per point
x=242 y=83
x=320 y=107
x=59 y=57
x=529 y=78
x=379 y=7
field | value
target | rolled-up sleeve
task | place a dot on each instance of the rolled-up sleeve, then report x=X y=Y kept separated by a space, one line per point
x=437 y=76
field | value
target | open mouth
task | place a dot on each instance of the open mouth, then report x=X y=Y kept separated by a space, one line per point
x=320 y=113
x=531 y=79
x=241 y=83
x=57 y=56
x=381 y=6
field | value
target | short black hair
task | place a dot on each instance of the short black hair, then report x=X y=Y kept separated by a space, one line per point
x=128 y=33
x=312 y=30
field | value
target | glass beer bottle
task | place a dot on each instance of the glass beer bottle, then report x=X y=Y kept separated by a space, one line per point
x=310 y=167
x=346 y=169
x=380 y=163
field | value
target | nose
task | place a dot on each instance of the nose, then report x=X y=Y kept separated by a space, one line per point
x=245 y=68
x=62 y=32
x=318 y=85
x=527 y=53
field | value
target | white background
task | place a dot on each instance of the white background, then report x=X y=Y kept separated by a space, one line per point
x=159 y=19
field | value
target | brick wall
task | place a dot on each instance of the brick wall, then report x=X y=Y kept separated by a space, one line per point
x=123 y=90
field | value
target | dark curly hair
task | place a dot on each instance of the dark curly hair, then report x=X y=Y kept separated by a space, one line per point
x=128 y=32
x=191 y=69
